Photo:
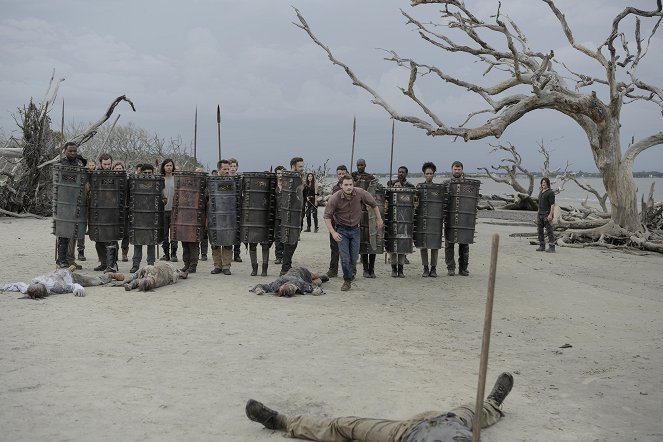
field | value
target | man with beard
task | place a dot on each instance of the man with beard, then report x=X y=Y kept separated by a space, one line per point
x=401 y=179
x=296 y=165
x=67 y=246
x=463 y=249
x=222 y=256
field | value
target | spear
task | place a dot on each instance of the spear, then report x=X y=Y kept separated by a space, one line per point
x=218 y=127
x=485 y=339
x=195 y=134
x=62 y=126
x=391 y=158
x=354 y=133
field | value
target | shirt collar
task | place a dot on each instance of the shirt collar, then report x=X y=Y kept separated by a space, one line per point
x=344 y=196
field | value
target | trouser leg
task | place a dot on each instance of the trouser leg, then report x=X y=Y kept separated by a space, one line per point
x=100 y=248
x=253 y=254
x=371 y=263
x=463 y=256
x=490 y=414
x=165 y=244
x=265 y=253
x=138 y=257
x=539 y=229
x=345 y=429
x=204 y=243
x=91 y=281
x=80 y=245
x=125 y=246
x=216 y=256
x=433 y=257
x=194 y=255
x=62 y=246
x=364 y=262
x=151 y=254
x=424 y=257
x=111 y=256
x=333 y=261
x=186 y=254
x=308 y=218
x=71 y=250
x=237 y=251
x=449 y=258
x=549 y=232
x=314 y=212
x=288 y=253
x=226 y=257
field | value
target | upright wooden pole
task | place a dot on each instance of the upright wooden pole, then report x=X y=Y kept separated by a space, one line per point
x=195 y=135
x=485 y=341
x=218 y=127
x=391 y=157
x=354 y=133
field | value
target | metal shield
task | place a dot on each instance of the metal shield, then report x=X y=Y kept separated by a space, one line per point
x=222 y=210
x=189 y=214
x=146 y=209
x=69 y=201
x=291 y=205
x=107 y=209
x=399 y=219
x=258 y=208
x=429 y=215
x=461 y=217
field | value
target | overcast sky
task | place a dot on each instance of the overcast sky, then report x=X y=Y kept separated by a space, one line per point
x=279 y=94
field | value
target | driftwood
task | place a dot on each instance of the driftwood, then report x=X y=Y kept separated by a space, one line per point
x=20 y=215
x=92 y=130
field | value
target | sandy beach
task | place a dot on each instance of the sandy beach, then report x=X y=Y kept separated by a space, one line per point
x=179 y=363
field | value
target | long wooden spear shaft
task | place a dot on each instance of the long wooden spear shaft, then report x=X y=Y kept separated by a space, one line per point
x=218 y=127
x=195 y=134
x=391 y=157
x=354 y=134
x=62 y=127
x=485 y=341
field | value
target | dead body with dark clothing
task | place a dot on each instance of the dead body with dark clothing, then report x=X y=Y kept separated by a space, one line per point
x=431 y=426
x=295 y=280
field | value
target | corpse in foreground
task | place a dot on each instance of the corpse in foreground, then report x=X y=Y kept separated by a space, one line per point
x=431 y=426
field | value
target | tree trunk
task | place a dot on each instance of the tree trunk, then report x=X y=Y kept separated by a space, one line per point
x=617 y=178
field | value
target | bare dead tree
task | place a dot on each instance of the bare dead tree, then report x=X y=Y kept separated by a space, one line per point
x=536 y=71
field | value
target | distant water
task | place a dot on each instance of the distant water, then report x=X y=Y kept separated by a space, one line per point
x=572 y=194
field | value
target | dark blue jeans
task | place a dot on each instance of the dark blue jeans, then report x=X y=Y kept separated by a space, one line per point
x=348 y=248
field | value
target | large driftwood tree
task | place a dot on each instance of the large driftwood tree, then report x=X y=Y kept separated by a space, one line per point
x=537 y=73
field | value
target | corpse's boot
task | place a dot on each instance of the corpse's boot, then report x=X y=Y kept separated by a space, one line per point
x=400 y=271
x=502 y=388
x=425 y=273
x=257 y=412
x=394 y=270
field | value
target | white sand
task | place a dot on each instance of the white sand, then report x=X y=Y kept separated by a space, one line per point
x=179 y=363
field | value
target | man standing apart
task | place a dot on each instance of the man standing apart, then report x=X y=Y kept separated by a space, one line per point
x=344 y=208
x=222 y=255
x=463 y=249
x=545 y=216
x=341 y=171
